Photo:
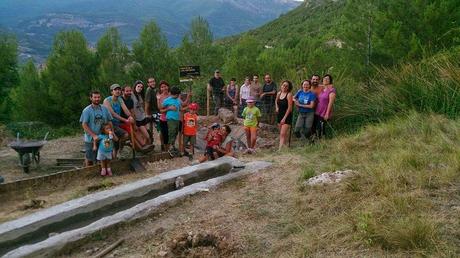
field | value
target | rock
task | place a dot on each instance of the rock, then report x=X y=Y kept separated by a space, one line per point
x=329 y=177
x=226 y=116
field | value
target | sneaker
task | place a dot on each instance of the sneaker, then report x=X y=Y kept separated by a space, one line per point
x=171 y=153
x=103 y=172
x=109 y=171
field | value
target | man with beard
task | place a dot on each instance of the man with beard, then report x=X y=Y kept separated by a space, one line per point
x=216 y=85
x=92 y=118
x=151 y=104
x=268 y=99
x=115 y=105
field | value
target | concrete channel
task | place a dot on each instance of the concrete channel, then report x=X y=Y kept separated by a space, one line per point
x=72 y=221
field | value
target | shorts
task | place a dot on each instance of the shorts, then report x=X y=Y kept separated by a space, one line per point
x=119 y=132
x=90 y=154
x=250 y=128
x=126 y=127
x=190 y=138
x=101 y=155
x=143 y=122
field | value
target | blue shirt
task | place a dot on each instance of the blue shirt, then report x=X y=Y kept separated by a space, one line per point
x=172 y=115
x=105 y=143
x=116 y=106
x=95 y=117
x=305 y=98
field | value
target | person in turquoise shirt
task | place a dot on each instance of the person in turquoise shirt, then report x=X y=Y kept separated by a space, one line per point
x=172 y=107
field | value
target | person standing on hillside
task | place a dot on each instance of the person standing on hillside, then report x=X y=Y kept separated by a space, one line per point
x=115 y=105
x=268 y=98
x=256 y=89
x=139 y=112
x=92 y=118
x=305 y=100
x=231 y=96
x=283 y=106
x=216 y=85
x=151 y=105
x=325 y=105
x=164 y=94
x=245 y=92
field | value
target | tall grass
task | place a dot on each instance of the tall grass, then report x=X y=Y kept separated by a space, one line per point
x=430 y=86
x=407 y=172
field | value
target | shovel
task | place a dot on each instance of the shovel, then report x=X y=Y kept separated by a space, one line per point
x=135 y=164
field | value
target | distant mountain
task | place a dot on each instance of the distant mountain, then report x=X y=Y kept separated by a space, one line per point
x=36 y=22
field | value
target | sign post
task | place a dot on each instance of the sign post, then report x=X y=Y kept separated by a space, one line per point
x=187 y=73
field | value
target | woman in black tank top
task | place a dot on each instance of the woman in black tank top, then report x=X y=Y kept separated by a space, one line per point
x=283 y=105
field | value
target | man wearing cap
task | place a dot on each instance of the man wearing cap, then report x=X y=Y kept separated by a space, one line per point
x=115 y=105
x=216 y=84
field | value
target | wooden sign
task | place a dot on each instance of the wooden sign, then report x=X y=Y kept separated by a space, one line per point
x=188 y=72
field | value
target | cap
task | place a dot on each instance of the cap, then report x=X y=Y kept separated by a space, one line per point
x=251 y=100
x=193 y=106
x=217 y=71
x=215 y=125
x=114 y=86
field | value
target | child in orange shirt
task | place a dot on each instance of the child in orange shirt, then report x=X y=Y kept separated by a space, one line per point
x=190 y=127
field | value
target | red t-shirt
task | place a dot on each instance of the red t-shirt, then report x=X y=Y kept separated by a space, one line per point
x=190 y=124
x=213 y=138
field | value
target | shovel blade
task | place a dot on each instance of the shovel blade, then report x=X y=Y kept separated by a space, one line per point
x=136 y=166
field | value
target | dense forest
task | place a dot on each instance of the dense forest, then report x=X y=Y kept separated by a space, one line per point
x=386 y=57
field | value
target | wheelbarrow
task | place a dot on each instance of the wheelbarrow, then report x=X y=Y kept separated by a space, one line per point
x=29 y=151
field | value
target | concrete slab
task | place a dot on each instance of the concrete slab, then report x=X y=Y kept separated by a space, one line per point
x=56 y=243
x=37 y=226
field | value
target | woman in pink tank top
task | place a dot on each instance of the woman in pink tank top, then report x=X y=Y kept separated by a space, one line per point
x=326 y=99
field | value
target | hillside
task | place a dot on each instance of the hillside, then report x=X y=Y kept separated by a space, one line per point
x=36 y=23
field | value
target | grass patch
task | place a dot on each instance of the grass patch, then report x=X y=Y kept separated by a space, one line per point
x=307 y=173
x=392 y=206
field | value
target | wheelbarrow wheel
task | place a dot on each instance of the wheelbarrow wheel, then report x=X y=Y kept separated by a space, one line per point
x=25 y=162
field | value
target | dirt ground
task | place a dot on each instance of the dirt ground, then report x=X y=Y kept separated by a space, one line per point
x=242 y=218
x=53 y=194
x=67 y=147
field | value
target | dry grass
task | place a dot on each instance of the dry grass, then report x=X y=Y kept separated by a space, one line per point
x=403 y=202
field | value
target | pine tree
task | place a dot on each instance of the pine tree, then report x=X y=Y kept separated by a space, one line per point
x=151 y=51
x=112 y=56
x=8 y=72
x=70 y=75
x=30 y=97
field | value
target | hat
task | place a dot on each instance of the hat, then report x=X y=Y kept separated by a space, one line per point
x=193 y=106
x=251 y=100
x=215 y=126
x=114 y=86
x=217 y=71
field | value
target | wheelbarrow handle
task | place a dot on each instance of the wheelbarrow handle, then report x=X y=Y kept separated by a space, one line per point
x=46 y=136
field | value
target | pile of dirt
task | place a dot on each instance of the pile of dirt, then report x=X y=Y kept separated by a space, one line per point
x=201 y=244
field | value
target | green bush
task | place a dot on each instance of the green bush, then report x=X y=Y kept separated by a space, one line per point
x=37 y=130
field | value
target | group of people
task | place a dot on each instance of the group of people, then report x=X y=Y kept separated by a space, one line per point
x=134 y=113
x=314 y=102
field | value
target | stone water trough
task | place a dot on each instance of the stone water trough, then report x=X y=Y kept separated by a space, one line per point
x=49 y=231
